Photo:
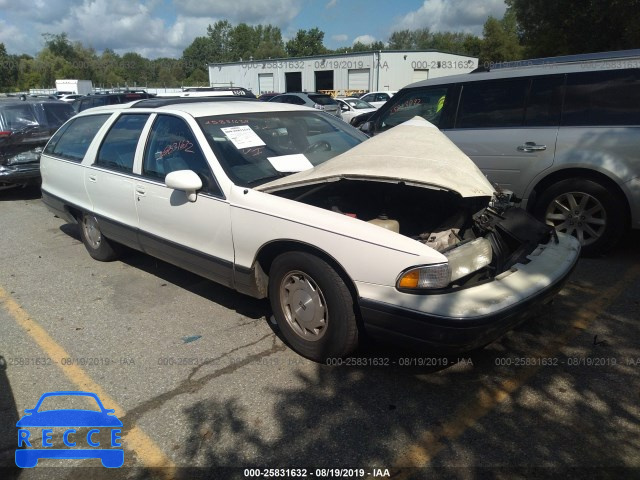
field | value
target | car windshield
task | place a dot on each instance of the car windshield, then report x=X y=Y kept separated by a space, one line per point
x=254 y=148
x=66 y=402
x=358 y=104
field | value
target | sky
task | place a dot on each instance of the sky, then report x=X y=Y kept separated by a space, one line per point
x=164 y=28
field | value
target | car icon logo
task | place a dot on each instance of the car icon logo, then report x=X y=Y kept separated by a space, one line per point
x=68 y=421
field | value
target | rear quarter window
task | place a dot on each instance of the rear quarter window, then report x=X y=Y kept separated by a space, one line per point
x=72 y=141
x=487 y=104
x=602 y=98
x=323 y=99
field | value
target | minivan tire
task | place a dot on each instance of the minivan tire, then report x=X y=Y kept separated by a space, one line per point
x=587 y=210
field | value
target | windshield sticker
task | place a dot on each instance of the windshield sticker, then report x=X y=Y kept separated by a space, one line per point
x=290 y=163
x=242 y=137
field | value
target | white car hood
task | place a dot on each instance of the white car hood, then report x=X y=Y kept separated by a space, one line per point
x=415 y=152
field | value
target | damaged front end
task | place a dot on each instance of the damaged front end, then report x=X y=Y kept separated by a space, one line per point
x=481 y=237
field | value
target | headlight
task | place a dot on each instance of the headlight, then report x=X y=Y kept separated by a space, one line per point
x=462 y=261
x=469 y=258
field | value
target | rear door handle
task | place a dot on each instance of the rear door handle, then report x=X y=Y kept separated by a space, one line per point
x=92 y=178
x=531 y=147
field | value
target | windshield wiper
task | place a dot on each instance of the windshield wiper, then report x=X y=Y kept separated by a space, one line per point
x=269 y=177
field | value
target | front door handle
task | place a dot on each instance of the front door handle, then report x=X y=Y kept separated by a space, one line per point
x=531 y=147
x=140 y=190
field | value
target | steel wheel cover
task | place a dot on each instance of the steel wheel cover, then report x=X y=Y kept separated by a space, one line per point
x=578 y=214
x=304 y=305
x=92 y=231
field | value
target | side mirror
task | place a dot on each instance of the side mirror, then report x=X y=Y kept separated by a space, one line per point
x=366 y=127
x=344 y=108
x=186 y=180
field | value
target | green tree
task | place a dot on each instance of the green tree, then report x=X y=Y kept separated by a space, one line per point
x=137 y=70
x=197 y=55
x=8 y=70
x=220 y=35
x=59 y=45
x=501 y=42
x=306 y=43
x=576 y=26
x=402 y=40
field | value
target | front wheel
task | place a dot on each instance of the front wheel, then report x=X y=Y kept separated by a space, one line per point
x=585 y=209
x=313 y=307
x=98 y=246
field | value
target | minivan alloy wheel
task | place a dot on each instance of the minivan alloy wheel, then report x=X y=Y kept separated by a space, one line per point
x=578 y=214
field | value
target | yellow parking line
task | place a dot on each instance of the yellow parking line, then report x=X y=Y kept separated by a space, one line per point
x=431 y=442
x=145 y=449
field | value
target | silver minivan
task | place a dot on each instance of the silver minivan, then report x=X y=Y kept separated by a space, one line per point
x=564 y=137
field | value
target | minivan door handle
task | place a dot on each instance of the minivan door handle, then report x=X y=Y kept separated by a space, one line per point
x=531 y=147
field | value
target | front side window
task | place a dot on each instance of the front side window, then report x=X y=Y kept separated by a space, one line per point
x=72 y=141
x=497 y=103
x=119 y=146
x=602 y=98
x=427 y=103
x=254 y=148
x=172 y=146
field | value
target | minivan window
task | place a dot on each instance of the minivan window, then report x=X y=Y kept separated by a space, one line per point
x=119 y=146
x=498 y=103
x=427 y=103
x=73 y=140
x=545 y=101
x=602 y=98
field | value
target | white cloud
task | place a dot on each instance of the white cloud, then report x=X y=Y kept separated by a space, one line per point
x=331 y=3
x=453 y=15
x=275 y=12
x=366 y=39
x=340 y=38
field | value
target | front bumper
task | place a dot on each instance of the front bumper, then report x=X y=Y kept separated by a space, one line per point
x=19 y=174
x=473 y=317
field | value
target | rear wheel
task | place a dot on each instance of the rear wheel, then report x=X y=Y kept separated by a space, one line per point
x=585 y=209
x=98 y=246
x=312 y=306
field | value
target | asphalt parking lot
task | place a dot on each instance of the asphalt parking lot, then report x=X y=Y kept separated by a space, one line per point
x=204 y=386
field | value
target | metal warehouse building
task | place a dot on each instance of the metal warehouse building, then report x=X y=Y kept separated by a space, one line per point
x=340 y=74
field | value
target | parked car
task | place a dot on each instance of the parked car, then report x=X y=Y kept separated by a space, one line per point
x=400 y=236
x=563 y=139
x=351 y=107
x=319 y=101
x=25 y=128
x=108 y=98
x=377 y=99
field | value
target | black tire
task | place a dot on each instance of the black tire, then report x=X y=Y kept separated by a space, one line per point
x=325 y=324
x=98 y=246
x=597 y=218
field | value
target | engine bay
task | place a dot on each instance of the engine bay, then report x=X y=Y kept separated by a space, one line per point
x=438 y=218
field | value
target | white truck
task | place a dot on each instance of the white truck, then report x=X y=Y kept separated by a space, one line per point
x=79 y=87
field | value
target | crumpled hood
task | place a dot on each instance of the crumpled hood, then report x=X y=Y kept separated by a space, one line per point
x=414 y=152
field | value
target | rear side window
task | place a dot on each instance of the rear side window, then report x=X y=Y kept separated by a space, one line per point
x=119 y=146
x=602 y=98
x=545 y=101
x=322 y=99
x=488 y=104
x=72 y=141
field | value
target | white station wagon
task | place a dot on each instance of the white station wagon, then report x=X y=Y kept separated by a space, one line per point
x=399 y=236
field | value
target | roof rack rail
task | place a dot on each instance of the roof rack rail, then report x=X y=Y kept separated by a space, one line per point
x=165 y=101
